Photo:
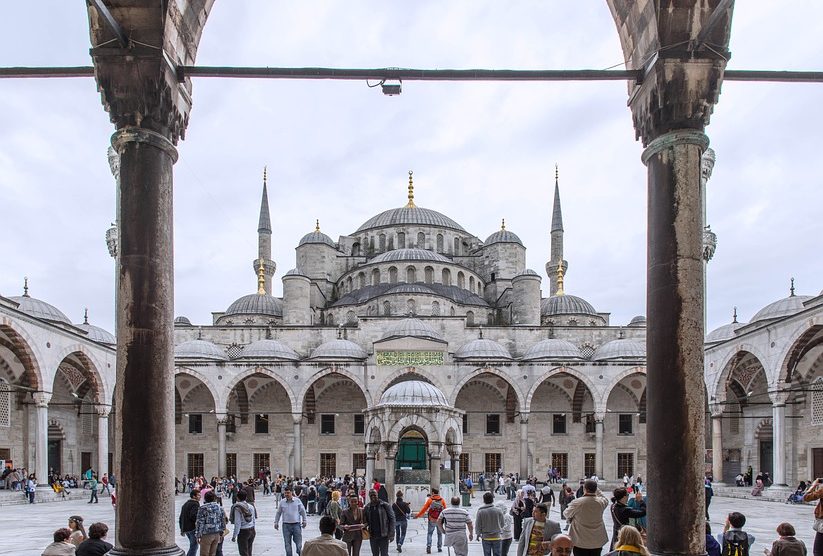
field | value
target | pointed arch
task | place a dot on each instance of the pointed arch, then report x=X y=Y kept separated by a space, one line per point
x=22 y=345
x=521 y=403
x=90 y=369
x=224 y=397
x=414 y=421
x=599 y=406
x=334 y=369
x=800 y=342
x=743 y=356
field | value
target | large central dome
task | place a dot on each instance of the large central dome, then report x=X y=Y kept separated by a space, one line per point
x=405 y=216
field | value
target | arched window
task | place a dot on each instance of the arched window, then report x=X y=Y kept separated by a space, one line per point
x=457 y=246
x=391 y=243
x=371 y=245
x=375 y=277
x=382 y=242
x=386 y=308
x=446 y=277
x=471 y=284
x=470 y=318
x=461 y=280
x=5 y=403
x=361 y=280
x=392 y=275
x=351 y=318
x=401 y=240
x=439 y=243
x=349 y=284
x=411 y=307
x=429 y=275
x=435 y=309
x=490 y=319
x=330 y=319
x=411 y=274
x=421 y=240
x=355 y=249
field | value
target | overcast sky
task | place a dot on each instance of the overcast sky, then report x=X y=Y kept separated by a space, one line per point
x=340 y=151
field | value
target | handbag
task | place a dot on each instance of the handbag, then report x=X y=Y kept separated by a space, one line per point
x=365 y=533
x=818 y=524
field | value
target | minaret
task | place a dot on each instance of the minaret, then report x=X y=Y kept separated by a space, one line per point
x=709 y=237
x=556 y=261
x=264 y=240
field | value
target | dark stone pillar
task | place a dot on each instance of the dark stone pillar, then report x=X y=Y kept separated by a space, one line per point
x=674 y=353
x=144 y=421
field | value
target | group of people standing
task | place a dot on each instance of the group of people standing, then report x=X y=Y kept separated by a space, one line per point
x=75 y=541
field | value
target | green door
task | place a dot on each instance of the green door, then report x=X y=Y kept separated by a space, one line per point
x=411 y=452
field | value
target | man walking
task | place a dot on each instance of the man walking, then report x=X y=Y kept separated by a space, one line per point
x=538 y=531
x=489 y=525
x=432 y=508
x=294 y=519
x=244 y=516
x=588 y=532
x=93 y=487
x=454 y=521
x=325 y=544
x=188 y=520
x=379 y=519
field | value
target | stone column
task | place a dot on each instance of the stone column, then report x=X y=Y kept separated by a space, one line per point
x=455 y=455
x=598 y=445
x=41 y=435
x=297 y=419
x=222 y=420
x=435 y=449
x=717 y=442
x=371 y=453
x=779 y=432
x=674 y=359
x=391 y=454
x=144 y=421
x=103 y=439
x=524 y=445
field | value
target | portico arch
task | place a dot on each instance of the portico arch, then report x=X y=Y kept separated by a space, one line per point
x=223 y=396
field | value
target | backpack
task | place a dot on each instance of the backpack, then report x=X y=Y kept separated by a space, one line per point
x=735 y=543
x=244 y=511
x=435 y=508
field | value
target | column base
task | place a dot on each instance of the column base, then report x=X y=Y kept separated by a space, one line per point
x=167 y=551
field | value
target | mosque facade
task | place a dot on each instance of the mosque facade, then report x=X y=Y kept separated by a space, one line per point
x=405 y=350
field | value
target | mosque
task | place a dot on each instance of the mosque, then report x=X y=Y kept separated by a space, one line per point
x=407 y=349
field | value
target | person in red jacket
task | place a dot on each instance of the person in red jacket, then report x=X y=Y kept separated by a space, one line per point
x=432 y=508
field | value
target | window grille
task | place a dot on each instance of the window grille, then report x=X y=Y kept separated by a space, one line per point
x=5 y=403
x=817 y=402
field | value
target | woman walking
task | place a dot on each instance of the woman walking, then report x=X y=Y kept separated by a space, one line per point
x=351 y=521
x=815 y=492
x=402 y=511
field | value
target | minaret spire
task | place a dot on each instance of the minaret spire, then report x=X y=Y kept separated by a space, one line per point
x=264 y=260
x=556 y=265
x=411 y=204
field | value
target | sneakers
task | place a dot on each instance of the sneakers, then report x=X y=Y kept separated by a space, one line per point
x=428 y=550
x=400 y=549
x=439 y=549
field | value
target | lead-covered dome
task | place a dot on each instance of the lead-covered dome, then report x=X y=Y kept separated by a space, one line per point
x=413 y=393
x=503 y=236
x=552 y=348
x=199 y=349
x=256 y=304
x=415 y=216
x=410 y=255
x=482 y=349
x=182 y=321
x=637 y=322
x=97 y=334
x=412 y=328
x=316 y=237
x=620 y=349
x=40 y=309
x=566 y=305
x=782 y=308
x=269 y=349
x=724 y=332
x=339 y=349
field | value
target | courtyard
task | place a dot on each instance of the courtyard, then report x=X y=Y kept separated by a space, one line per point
x=28 y=528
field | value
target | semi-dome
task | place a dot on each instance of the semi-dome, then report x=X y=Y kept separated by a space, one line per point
x=182 y=321
x=782 y=308
x=97 y=334
x=566 y=305
x=412 y=328
x=316 y=237
x=256 y=304
x=405 y=216
x=503 y=236
x=482 y=349
x=552 y=348
x=199 y=349
x=414 y=393
x=40 y=309
x=269 y=349
x=339 y=349
x=724 y=332
x=623 y=348
x=637 y=322
x=410 y=255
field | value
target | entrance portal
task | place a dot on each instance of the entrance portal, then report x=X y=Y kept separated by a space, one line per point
x=55 y=453
x=411 y=451
x=766 y=447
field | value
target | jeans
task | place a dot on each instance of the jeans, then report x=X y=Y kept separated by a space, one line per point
x=192 y=543
x=432 y=528
x=93 y=496
x=492 y=548
x=379 y=546
x=292 y=532
x=400 y=531
x=245 y=539
x=354 y=546
x=31 y=497
x=504 y=551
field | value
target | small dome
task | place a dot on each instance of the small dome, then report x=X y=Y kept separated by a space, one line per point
x=294 y=272
x=410 y=255
x=620 y=349
x=182 y=321
x=316 y=237
x=553 y=348
x=256 y=304
x=40 y=309
x=97 y=334
x=269 y=349
x=526 y=272
x=414 y=393
x=482 y=349
x=339 y=349
x=199 y=349
x=410 y=216
x=503 y=236
x=637 y=322
x=412 y=328
x=410 y=288
x=782 y=308
x=724 y=332
x=566 y=305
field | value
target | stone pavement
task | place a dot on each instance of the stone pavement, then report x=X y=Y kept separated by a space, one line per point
x=27 y=529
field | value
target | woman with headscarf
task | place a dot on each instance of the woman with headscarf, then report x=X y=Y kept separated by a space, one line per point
x=516 y=511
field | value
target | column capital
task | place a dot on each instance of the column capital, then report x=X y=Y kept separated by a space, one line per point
x=131 y=134
x=102 y=411
x=222 y=419
x=390 y=449
x=779 y=398
x=41 y=399
x=716 y=410
x=372 y=450
x=297 y=418
x=673 y=139
x=524 y=417
x=435 y=449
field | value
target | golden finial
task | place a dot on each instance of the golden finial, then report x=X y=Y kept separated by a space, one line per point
x=503 y=225
x=261 y=279
x=25 y=286
x=559 y=278
x=317 y=225
x=411 y=204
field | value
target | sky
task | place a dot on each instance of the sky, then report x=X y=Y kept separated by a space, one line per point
x=340 y=151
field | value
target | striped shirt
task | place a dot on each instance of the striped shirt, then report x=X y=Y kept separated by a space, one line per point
x=454 y=519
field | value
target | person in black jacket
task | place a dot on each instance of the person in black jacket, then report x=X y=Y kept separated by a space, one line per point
x=621 y=513
x=95 y=545
x=402 y=511
x=188 y=520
